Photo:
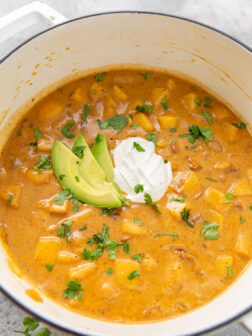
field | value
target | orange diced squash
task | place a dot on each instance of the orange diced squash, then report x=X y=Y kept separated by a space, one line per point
x=132 y=228
x=191 y=185
x=144 y=121
x=222 y=165
x=78 y=96
x=96 y=91
x=232 y=132
x=242 y=188
x=66 y=257
x=122 y=269
x=119 y=93
x=47 y=250
x=220 y=112
x=244 y=245
x=59 y=208
x=82 y=271
x=167 y=121
x=158 y=94
x=45 y=144
x=148 y=263
x=7 y=191
x=189 y=101
x=49 y=110
x=109 y=107
x=222 y=262
x=216 y=199
x=39 y=178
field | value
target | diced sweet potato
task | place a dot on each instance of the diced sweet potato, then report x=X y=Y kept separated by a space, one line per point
x=110 y=106
x=244 y=245
x=82 y=271
x=148 y=263
x=132 y=228
x=232 y=132
x=167 y=121
x=222 y=262
x=191 y=185
x=222 y=165
x=45 y=144
x=78 y=96
x=49 y=111
x=59 y=208
x=242 y=188
x=216 y=199
x=7 y=191
x=66 y=257
x=189 y=101
x=39 y=178
x=144 y=121
x=157 y=94
x=119 y=93
x=96 y=91
x=122 y=270
x=220 y=112
x=47 y=249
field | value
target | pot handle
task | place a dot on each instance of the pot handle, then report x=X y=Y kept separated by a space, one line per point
x=246 y=322
x=26 y=16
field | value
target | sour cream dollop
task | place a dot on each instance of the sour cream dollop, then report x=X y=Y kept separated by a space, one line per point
x=133 y=167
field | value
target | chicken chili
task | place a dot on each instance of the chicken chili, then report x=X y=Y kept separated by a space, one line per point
x=127 y=196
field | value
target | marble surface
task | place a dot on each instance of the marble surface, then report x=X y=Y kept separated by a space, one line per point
x=231 y=16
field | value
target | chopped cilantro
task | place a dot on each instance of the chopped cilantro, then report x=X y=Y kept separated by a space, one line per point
x=64 y=230
x=173 y=130
x=83 y=228
x=191 y=147
x=33 y=144
x=137 y=221
x=75 y=206
x=196 y=132
x=73 y=291
x=43 y=164
x=126 y=247
x=109 y=271
x=99 y=77
x=145 y=108
x=134 y=126
x=208 y=102
x=9 y=200
x=133 y=275
x=61 y=177
x=112 y=247
x=93 y=91
x=79 y=151
x=197 y=101
x=211 y=179
x=210 y=231
x=173 y=235
x=66 y=130
x=63 y=195
x=208 y=117
x=148 y=200
x=166 y=161
x=37 y=134
x=30 y=324
x=118 y=122
x=193 y=88
x=152 y=137
x=138 y=147
x=229 y=197
x=240 y=125
x=229 y=272
x=77 y=179
x=87 y=110
x=137 y=257
x=138 y=188
x=185 y=214
x=250 y=208
x=164 y=103
x=242 y=219
x=146 y=75
x=130 y=116
x=49 y=267
x=180 y=199
x=19 y=134
x=106 y=211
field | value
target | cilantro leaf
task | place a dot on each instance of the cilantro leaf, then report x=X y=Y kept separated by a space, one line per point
x=185 y=214
x=79 y=151
x=138 y=188
x=64 y=230
x=126 y=247
x=242 y=219
x=9 y=200
x=30 y=324
x=148 y=200
x=180 y=199
x=208 y=102
x=112 y=246
x=197 y=101
x=44 y=164
x=37 y=134
x=210 y=231
x=145 y=108
x=137 y=257
x=117 y=123
x=134 y=126
x=42 y=332
x=49 y=267
x=164 y=103
x=133 y=275
x=146 y=76
x=74 y=290
x=196 y=132
x=211 y=179
x=208 y=117
x=138 y=147
x=229 y=197
x=99 y=77
x=137 y=221
x=106 y=211
x=109 y=271
x=206 y=133
x=66 y=130
x=83 y=228
x=229 y=272
x=63 y=195
x=152 y=137
x=173 y=235
x=87 y=110
x=240 y=125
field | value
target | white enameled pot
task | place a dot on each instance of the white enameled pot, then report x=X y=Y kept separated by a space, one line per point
x=213 y=59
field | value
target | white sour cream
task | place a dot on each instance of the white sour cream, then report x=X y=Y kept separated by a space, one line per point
x=147 y=168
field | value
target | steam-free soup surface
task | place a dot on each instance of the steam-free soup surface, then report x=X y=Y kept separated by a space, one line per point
x=163 y=263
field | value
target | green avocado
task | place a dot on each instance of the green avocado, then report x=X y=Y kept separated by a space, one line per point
x=67 y=168
x=89 y=168
x=102 y=156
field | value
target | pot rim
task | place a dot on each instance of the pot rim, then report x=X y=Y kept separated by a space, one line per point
x=243 y=45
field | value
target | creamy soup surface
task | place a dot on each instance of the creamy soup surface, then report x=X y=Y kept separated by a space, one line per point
x=141 y=261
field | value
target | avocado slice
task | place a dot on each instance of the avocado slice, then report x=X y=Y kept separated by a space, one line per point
x=66 y=166
x=89 y=168
x=101 y=153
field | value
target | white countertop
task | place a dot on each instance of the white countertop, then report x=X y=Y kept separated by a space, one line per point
x=231 y=16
